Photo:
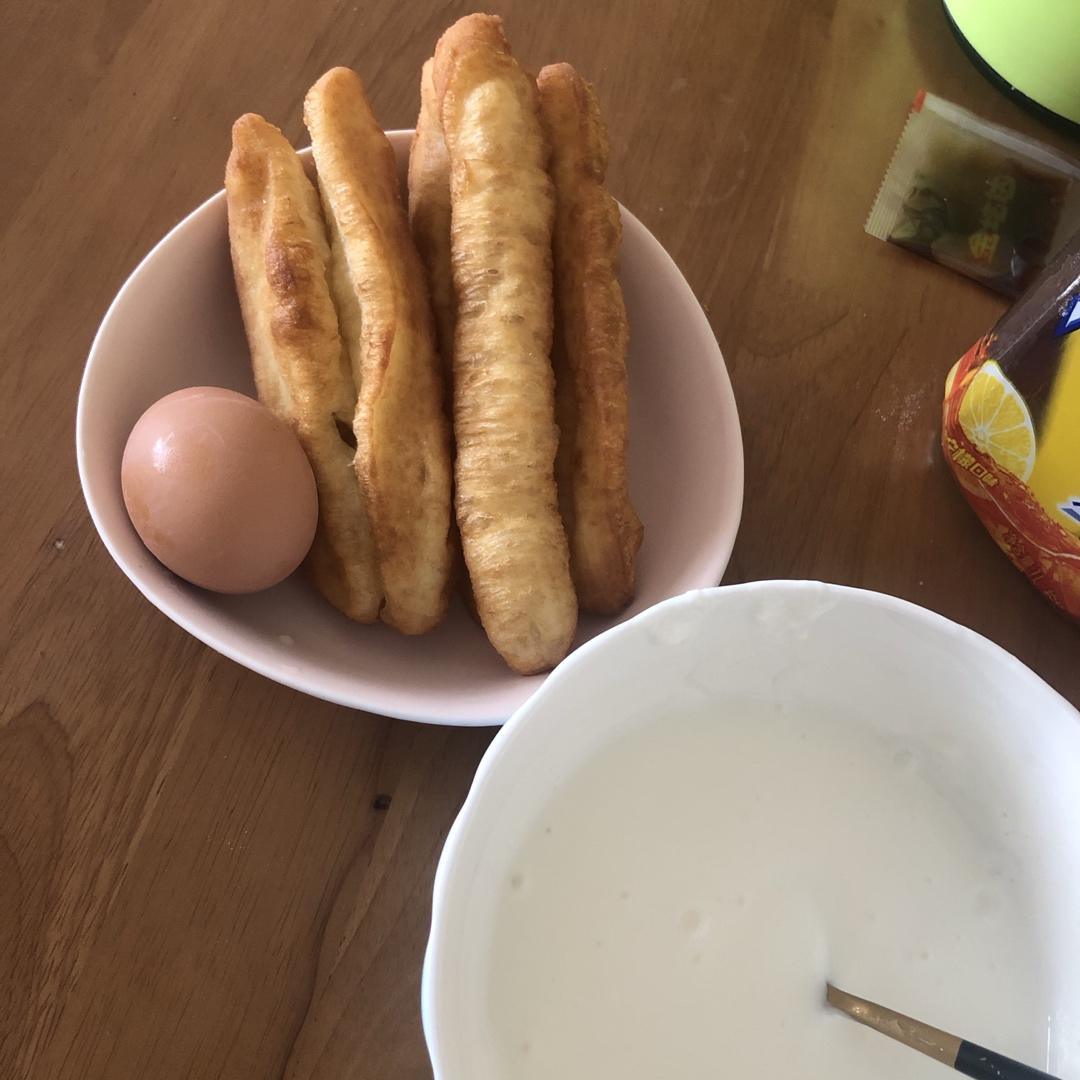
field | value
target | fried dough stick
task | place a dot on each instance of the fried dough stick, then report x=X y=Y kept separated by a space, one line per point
x=591 y=339
x=504 y=416
x=402 y=436
x=429 y=213
x=429 y=217
x=280 y=261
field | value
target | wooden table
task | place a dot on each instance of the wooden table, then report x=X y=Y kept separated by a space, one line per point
x=203 y=874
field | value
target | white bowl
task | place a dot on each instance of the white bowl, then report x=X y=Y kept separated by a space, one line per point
x=966 y=715
x=176 y=323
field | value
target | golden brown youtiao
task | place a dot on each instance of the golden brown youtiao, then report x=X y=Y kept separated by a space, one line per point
x=402 y=435
x=591 y=339
x=280 y=260
x=429 y=216
x=429 y=213
x=504 y=414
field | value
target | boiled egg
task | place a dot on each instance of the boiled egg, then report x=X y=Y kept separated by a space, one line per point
x=219 y=489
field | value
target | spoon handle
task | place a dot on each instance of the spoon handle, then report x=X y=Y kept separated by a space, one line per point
x=983 y=1064
x=963 y=1056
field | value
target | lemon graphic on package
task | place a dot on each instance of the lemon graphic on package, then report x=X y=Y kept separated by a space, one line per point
x=996 y=419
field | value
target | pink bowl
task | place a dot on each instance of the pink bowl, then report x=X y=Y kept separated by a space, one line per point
x=176 y=323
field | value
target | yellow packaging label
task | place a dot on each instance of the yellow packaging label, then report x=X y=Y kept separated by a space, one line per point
x=1055 y=479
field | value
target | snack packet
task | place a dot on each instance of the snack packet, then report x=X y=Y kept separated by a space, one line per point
x=1011 y=430
x=981 y=199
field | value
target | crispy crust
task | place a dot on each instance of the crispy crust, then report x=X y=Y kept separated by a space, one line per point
x=429 y=217
x=280 y=258
x=504 y=418
x=591 y=340
x=429 y=213
x=402 y=435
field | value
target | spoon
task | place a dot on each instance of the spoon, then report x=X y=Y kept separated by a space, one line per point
x=965 y=1057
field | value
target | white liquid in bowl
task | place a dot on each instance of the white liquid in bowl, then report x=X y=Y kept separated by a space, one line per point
x=675 y=910
x=739 y=794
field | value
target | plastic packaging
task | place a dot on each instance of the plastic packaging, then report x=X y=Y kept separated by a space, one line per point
x=1011 y=430
x=981 y=199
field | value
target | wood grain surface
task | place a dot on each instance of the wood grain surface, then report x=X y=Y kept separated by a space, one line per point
x=205 y=875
